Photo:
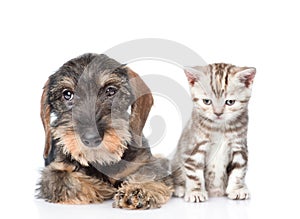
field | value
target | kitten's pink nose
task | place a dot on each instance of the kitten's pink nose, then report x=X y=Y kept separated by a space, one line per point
x=218 y=114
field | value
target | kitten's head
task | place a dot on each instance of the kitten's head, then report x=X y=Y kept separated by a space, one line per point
x=220 y=92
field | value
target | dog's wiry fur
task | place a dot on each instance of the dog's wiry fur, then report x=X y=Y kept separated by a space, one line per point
x=95 y=150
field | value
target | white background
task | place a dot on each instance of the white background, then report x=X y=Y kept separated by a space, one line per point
x=37 y=37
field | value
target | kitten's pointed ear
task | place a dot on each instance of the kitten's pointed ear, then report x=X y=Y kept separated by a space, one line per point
x=45 y=116
x=246 y=76
x=191 y=73
x=190 y=76
x=141 y=105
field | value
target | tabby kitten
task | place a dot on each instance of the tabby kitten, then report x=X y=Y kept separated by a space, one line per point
x=211 y=157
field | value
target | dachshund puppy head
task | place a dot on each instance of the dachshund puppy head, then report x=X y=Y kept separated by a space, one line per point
x=84 y=109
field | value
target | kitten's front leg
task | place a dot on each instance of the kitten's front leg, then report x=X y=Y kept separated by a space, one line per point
x=236 y=187
x=194 y=171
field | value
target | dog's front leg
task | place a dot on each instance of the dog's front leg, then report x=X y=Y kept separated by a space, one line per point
x=60 y=183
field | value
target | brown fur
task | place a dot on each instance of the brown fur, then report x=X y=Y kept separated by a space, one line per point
x=75 y=186
x=78 y=173
x=142 y=106
x=71 y=146
x=112 y=142
x=45 y=116
x=142 y=195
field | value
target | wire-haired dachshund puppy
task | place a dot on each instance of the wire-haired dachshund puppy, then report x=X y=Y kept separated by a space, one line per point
x=95 y=149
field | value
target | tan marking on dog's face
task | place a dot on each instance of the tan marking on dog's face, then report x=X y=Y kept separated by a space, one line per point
x=109 y=78
x=68 y=83
x=110 y=150
x=71 y=144
x=112 y=141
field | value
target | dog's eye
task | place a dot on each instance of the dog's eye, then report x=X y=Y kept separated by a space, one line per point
x=67 y=94
x=110 y=91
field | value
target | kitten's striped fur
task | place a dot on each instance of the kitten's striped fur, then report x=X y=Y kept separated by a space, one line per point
x=211 y=157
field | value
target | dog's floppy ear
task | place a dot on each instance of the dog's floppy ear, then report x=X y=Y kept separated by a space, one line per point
x=141 y=105
x=45 y=116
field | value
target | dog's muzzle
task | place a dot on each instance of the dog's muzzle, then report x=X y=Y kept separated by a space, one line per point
x=91 y=137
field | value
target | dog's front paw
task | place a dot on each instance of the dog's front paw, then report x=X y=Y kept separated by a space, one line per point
x=196 y=196
x=132 y=197
x=142 y=195
x=238 y=194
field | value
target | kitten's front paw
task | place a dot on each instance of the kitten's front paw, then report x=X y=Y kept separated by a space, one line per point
x=196 y=196
x=238 y=194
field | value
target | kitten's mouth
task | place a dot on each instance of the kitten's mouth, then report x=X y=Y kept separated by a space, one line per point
x=219 y=119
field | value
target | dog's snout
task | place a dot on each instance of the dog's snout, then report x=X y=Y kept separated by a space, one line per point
x=91 y=138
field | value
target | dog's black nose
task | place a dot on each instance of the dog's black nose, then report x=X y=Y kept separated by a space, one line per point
x=91 y=139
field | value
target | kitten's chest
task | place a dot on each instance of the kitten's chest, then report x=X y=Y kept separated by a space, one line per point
x=218 y=153
x=217 y=160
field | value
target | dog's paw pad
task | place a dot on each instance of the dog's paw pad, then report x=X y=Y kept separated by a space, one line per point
x=238 y=194
x=196 y=196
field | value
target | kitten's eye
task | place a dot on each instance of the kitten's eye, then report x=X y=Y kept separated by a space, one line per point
x=110 y=91
x=68 y=94
x=207 y=101
x=229 y=102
